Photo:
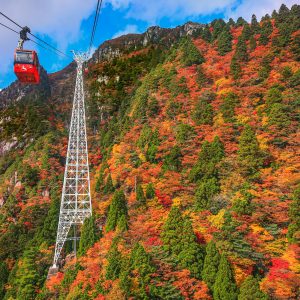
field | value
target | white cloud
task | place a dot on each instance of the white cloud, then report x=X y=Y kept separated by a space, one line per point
x=259 y=8
x=152 y=11
x=128 y=29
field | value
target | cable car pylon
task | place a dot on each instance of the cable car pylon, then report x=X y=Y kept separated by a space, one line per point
x=76 y=198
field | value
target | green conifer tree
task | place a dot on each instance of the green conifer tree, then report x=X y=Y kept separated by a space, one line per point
x=207 y=188
x=224 y=287
x=241 y=53
x=109 y=186
x=211 y=264
x=114 y=262
x=255 y=27
x=250 y=290
x=192 y=255
x=249 y=153
x=191 y=55
x=225 y=42
x=88 y=235
x=3 y=278
x=172 y=231
x=252 y=43
x=209 y=156
x=294 y=214
x=150 y=191
x=27 y=275
x=246 y=33
x=117 y=213
x=140 y=196
x=203 y=113
x=235 y=68
x=172 y=161
x=230 y=101
x=241 y=22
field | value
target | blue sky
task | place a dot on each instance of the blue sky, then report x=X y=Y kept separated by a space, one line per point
x=66 y=24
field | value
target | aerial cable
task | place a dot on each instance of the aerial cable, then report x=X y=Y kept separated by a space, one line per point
x=9 y=28
x=38 y=44
x=96 y=19
x=58 y=51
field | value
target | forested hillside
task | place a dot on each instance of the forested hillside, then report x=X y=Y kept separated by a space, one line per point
x=194 y=158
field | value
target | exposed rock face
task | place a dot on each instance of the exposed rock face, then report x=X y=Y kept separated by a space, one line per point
x=18 y=91
x=6 y=146
x=155 y=34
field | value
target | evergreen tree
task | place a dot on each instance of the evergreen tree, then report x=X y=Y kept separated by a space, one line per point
x=49 y=230
x=117 y=213
x=88 y=235
x=209 y=156
x=141 y=262
x=250 y=290
x=172 y=231
x=249 y=153
x=191 y=54
x=231 y=22
x=99 y=182
x=265 y=67
x=3 y=278
x=225 y=42
x=252 y=43
x=192 y=255
x=241 y=22
x=109 y=186
x=27 y=275
x=235 y=68
x=150 y=191
x=227 y=107
x=266 y=30
x=172 y=160
x=218 y=26
x=203 y=113
x=241 y=53
x=206 y=34
x=153 y=107
x=114 y=262
x=224 y=287
x=207 y=188
x=211 y=264
x=278 y=116
x=140 y=196
x=294 y=214
x=255 y=27
x=246 y=33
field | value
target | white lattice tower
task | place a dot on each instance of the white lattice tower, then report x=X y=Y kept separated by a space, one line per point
x=76 y=198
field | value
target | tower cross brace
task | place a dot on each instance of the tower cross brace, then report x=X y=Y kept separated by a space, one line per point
x=76 y=198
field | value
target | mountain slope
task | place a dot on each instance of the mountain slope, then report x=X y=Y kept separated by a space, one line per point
x=193 y=153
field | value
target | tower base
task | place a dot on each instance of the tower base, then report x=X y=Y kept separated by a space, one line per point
x=52 y=271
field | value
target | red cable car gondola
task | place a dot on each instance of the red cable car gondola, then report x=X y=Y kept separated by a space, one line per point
x=26 y=66
x=26 y=62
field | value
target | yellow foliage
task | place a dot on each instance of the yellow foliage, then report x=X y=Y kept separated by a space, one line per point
x=224 y=91
x=263 y=142
x=294 y=263
x=264 y=120
x=217 y=220
x=218 y=120
x=222 y=82
x=176 y=201
x=242 y=119
x=263 y=233
x=277 y=247
x=142 y=157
